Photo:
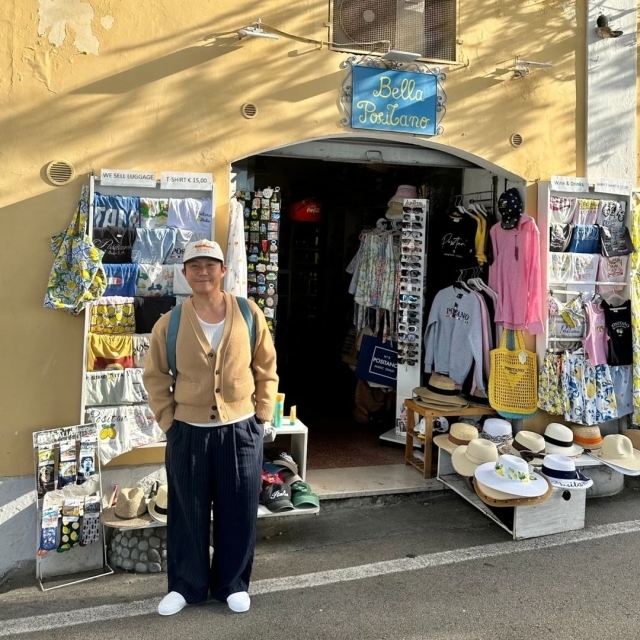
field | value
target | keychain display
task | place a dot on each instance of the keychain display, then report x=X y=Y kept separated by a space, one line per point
x=261 y=230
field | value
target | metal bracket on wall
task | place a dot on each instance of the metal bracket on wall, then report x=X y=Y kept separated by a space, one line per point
x=346 y=93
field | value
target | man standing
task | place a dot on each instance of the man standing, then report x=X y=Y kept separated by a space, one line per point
x=212 y=414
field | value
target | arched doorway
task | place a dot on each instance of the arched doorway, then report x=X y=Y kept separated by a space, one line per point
x=352 y=177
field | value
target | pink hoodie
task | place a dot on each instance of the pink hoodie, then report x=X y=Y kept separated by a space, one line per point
x=515 y=276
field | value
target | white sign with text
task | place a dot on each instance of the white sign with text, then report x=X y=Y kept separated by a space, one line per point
x=126 y=178
x=613 y=185
x=567 y=183
x=186 y=180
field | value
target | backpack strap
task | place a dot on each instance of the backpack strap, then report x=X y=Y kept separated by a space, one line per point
x=243 y=303
x=172 y=338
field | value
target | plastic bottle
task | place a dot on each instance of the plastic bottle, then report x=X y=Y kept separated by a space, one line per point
x=278 y=410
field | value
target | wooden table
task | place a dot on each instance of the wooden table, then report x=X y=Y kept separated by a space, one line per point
x=429 y=416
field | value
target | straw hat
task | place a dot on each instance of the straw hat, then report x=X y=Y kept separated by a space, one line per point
x=559 y=439
x=467 y=458
x=587 y=437
x=130 y=511
x=459 y=434
x=617 y=452
x=511 y=475
x=495 y=498
x=497 y=430
x=561 y=472
x=477 y=399
x=526 y=444
x=158 y=504
x=439 y=393
x=634 y=436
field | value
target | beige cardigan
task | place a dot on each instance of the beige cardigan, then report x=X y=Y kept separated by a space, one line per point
x=210 y=386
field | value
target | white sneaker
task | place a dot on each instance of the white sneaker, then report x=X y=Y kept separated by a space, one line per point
x=239 y=602
x=171 y=603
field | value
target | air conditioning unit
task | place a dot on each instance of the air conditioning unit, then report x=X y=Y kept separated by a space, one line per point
x=427 y=27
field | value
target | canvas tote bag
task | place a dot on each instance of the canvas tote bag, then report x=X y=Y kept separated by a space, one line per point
x=77 y=276
x=513 y=378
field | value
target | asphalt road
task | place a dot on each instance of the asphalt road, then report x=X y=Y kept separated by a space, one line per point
x=421 y=569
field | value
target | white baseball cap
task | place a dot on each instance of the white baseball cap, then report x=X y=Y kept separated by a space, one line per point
x=203 y=249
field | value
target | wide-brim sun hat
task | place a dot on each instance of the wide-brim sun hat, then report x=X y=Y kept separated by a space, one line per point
x=467 y=458
x=559 y=439
x=617 y=451
x=511 y=475
x=130 y=511
x=496 y=498
x=527 y=445
x=404 y=192
x=497 y=430
x=459 y=434
x=562 y=473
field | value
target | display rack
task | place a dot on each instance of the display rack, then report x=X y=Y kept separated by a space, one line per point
x=563 y=511
x=561 y=187
x=409 y=376
x=78 y=559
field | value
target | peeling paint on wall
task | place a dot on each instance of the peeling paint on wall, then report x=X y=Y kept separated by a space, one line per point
x=106 y=22
x=58 y=15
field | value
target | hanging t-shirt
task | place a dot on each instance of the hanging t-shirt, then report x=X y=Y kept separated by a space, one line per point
x=155 y=280
x=116 y=242
x=121 y=279
x=618 y=321
x=116 y=211
x=585 y=238
x=559 y=267
x=595 y=342
x=183 y=238
x=561 y=209
x=191 y=213
x=149 y=310
x=613 y=269
x=115 y=387
x=141 y=342
x=154 y=212
x=180 y=285
x=109 y=351
x=453 y=249
x=584 y=269
x=113 y=315
x=623 y=389
x=153 y=246
x=611 y=213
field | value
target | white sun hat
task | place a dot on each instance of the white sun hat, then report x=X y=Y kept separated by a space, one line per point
x=526 y=444
x=511 y=475
x=561 y=472
x=467 y=458
x=497 y=430
x=559 y=439
x=618 y=453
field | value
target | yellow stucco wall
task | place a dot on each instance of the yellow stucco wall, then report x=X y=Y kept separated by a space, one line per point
x=164 y=92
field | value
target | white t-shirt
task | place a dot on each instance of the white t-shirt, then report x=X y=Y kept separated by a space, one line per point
x=213 y=333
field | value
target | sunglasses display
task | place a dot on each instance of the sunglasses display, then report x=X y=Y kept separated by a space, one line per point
x=410 y=361
x=412 y=210
x=414 y=273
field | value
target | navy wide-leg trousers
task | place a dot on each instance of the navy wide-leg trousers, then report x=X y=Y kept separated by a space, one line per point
x=217 y=466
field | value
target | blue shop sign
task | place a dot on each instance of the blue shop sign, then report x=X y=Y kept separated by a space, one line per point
x=391 y=100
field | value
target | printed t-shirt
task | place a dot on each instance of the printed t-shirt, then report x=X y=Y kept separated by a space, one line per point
x=141 y=342
x=153 y=246
x=180 y=284
x=561 y=209
x=454 y=248
x=155 y=280
x=121 y=279
x=618 y=321
x=183 y=238
x=611 y=213
x=191 y=213
x=149 y=310
x=586 y=212
x=116 y=211
x=105 y=350
x=613 y=269
x=584 y=268
x=116 y=242
x=154 y=212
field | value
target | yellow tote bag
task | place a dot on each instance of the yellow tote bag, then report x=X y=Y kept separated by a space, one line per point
x=513 y=378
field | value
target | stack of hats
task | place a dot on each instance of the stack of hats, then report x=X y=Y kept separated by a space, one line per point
x=508 y=482
x=617 y=452
x=439 y=394
x=394 y=206
x=283 y=488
